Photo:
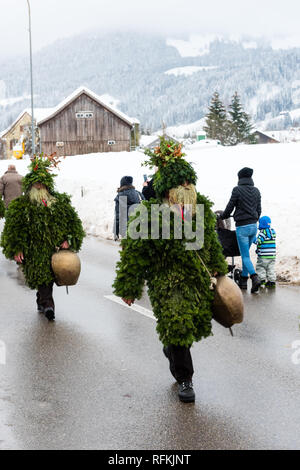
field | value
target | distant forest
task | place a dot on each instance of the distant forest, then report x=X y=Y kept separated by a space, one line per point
x=130 y=67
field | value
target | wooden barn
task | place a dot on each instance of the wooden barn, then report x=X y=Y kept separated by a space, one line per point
x=83 y=123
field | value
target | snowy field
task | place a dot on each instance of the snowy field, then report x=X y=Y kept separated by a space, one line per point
x=93 y=179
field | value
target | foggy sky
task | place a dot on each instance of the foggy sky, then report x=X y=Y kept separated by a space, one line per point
x=54 y=19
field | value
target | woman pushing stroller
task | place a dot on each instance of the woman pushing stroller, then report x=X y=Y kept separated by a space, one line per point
x=246 y=200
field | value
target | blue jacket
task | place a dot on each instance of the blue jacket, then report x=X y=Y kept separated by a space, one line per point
x=266 y=243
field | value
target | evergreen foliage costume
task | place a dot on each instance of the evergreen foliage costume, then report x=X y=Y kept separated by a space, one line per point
x=2 y=209
x=37 y=229
x=178 y=282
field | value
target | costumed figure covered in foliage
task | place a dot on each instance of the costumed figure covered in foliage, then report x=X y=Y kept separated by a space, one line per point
x=38 y=224
x=178 y=277
x=2 y=209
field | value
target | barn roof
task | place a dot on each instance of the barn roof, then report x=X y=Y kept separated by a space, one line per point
x=83 y=90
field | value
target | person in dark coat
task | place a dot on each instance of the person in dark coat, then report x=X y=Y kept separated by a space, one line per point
x=148 y=190
x=10 y=185
x=246 y=202
x=126 y=197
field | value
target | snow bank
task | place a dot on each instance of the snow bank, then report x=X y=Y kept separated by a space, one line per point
x=93 y=179
x=276 y=174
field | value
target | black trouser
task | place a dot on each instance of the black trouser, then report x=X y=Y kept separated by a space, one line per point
x=44 y=296
x=181 y=364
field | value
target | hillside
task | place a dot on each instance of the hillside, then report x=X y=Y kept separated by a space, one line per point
x=155 y=78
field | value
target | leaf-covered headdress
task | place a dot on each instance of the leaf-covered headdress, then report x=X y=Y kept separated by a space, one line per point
x=173 y=169
x=40 y=172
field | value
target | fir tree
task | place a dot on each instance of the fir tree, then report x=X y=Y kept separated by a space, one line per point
x=216 y=120
x=241 y=127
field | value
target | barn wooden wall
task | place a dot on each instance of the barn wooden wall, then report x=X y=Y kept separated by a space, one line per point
x=88 y=135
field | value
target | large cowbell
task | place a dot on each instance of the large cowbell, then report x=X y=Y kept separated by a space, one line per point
x=66 y=267
x=228 y=306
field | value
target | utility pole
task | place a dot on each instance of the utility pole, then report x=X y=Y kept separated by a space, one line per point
x=31 y=84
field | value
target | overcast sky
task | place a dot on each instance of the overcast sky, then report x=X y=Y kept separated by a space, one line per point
x=53 y=19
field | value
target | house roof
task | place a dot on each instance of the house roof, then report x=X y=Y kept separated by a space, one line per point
x=83 y=90
x=157 y=139
x=267 y=134
x=39 y=113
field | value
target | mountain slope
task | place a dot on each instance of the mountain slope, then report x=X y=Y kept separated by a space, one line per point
x=132 y=68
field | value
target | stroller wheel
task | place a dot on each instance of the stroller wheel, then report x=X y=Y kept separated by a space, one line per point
x=231 y=267
x=237 y=275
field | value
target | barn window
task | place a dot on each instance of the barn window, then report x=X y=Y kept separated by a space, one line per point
x=84 y=115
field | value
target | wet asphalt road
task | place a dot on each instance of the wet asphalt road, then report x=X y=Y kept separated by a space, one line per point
x=97 y=379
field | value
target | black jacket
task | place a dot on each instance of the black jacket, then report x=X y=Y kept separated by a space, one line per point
x=148 y=191
x=246 y=201
x=122 y=207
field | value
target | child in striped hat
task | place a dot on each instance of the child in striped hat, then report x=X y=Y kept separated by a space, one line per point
x=266 y=253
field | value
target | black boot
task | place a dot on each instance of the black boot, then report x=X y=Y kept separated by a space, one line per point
x=243 y=282
x=186 y=392
x=270 y=284
x=49 y=313
x=255 y=283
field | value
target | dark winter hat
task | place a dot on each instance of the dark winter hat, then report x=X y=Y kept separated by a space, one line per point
x=245 y=173
x=173 y=169
x=126 y=181
x=264 y=222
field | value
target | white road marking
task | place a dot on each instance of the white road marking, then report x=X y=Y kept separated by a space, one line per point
x=137 y=308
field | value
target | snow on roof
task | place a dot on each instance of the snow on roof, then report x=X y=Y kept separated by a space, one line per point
x=155 y=139
x=13 y=124
x=267 y=134
x=95 y=97
x=39 y=113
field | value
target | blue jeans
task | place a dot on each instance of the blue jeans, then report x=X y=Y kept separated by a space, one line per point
x=246 y=235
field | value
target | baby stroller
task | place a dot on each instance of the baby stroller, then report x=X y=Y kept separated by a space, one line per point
x=229 y=244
